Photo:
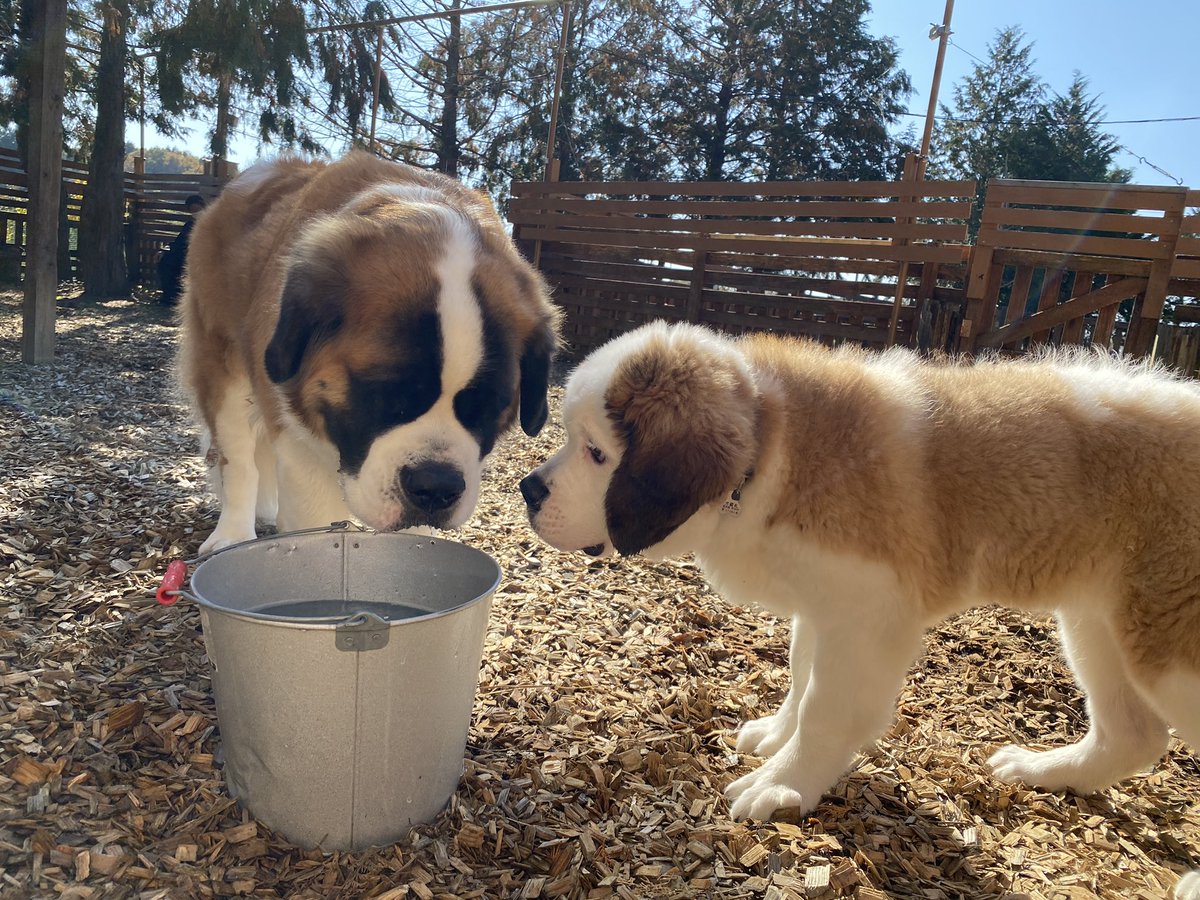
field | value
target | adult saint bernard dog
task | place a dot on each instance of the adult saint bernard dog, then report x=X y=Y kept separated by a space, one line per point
x=355 y=337
x=868 y=496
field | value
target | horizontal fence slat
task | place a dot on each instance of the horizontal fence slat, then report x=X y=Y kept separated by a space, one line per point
x=1071 y=262
x=958 y=209
x=849 y=247
x=758 y=189
x=1072 y=243
x=736 y=227
x=1080 y=194
x=1079 y=221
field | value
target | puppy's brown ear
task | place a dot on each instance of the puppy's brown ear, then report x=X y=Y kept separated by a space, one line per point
x=309 y=313
x=688 y=415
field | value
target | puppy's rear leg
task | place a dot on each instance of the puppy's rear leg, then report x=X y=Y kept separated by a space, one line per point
x=234 y=438
x=1124 y=734
x=763 y=737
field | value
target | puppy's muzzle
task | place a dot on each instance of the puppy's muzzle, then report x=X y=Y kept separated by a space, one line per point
x=534 y=490
x=432 y=487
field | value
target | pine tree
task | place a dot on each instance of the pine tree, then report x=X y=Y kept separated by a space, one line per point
x=246 y=48
x=1066 y=142
x=980 y=136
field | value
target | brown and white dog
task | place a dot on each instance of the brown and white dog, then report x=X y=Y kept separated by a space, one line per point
x=355 y=337
x=868 y=496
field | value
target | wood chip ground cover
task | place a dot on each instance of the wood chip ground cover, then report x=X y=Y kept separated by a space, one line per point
x=603 y=725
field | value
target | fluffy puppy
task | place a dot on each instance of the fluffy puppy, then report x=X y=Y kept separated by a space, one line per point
x=355 y=337
x=868 y=496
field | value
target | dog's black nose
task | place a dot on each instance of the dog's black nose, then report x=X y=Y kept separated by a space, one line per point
x=432 y=486
x=534 y=490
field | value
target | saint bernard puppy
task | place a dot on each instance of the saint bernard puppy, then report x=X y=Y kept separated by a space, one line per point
x=355 y=337
x=868 y=496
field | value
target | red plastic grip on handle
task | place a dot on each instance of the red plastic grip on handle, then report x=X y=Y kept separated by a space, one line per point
x=168 y=591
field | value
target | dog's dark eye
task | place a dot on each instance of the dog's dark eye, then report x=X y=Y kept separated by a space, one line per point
x=597 y=454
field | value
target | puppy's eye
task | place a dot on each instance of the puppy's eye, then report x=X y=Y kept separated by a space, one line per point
x=597 y=454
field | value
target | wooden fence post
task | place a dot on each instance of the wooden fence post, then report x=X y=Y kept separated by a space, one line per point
x=695 y=303
x=1143 y=323
x=44 y=168
x=133 y=235
x=914 y=170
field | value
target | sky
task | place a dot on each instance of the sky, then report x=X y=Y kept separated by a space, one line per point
x=1137 y=57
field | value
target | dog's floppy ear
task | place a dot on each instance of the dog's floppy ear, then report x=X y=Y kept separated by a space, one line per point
x=688 y=417
x=309 y=312
x=536 y=358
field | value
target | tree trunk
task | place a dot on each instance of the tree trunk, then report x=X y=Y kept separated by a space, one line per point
x=448 y=150
x=101 y=232
x=716 y=141
x=220 y=138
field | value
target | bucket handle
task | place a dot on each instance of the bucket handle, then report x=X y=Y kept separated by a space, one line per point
x=171 y=588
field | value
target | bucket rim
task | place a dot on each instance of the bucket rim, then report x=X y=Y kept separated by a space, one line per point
x=330 y=623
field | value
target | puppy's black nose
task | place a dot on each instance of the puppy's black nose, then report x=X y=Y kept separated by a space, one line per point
x=534 y=490
x=432 y=486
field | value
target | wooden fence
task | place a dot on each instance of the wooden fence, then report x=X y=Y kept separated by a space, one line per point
x=868 y=262
x=816 y=258
x=1064 y=263
x=154 y=214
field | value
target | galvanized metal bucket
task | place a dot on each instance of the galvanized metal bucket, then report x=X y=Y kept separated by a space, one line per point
x=344 y=667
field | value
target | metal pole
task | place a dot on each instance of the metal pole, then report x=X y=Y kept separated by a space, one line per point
x=552 y=139
x=552 y=164
x=943 y=40
x=914 y=167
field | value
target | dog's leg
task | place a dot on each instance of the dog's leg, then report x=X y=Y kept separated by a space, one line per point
x=310 y=495
x=763 y=737
x=858 y=668
x=234 y=437
x=266 y=507
x=1124 y=734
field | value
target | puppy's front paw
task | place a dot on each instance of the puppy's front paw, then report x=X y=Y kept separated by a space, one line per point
x=219 y=540
x=758 y=794
x=764 y=737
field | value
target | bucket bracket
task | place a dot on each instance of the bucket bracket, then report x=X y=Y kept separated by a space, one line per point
x=362 y=631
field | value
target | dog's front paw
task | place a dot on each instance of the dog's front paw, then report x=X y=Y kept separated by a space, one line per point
x=765 y=736
x=1018 y=765
x=1064 y=768
x=219 y=540
x=1188 y=887
x=758 y=794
